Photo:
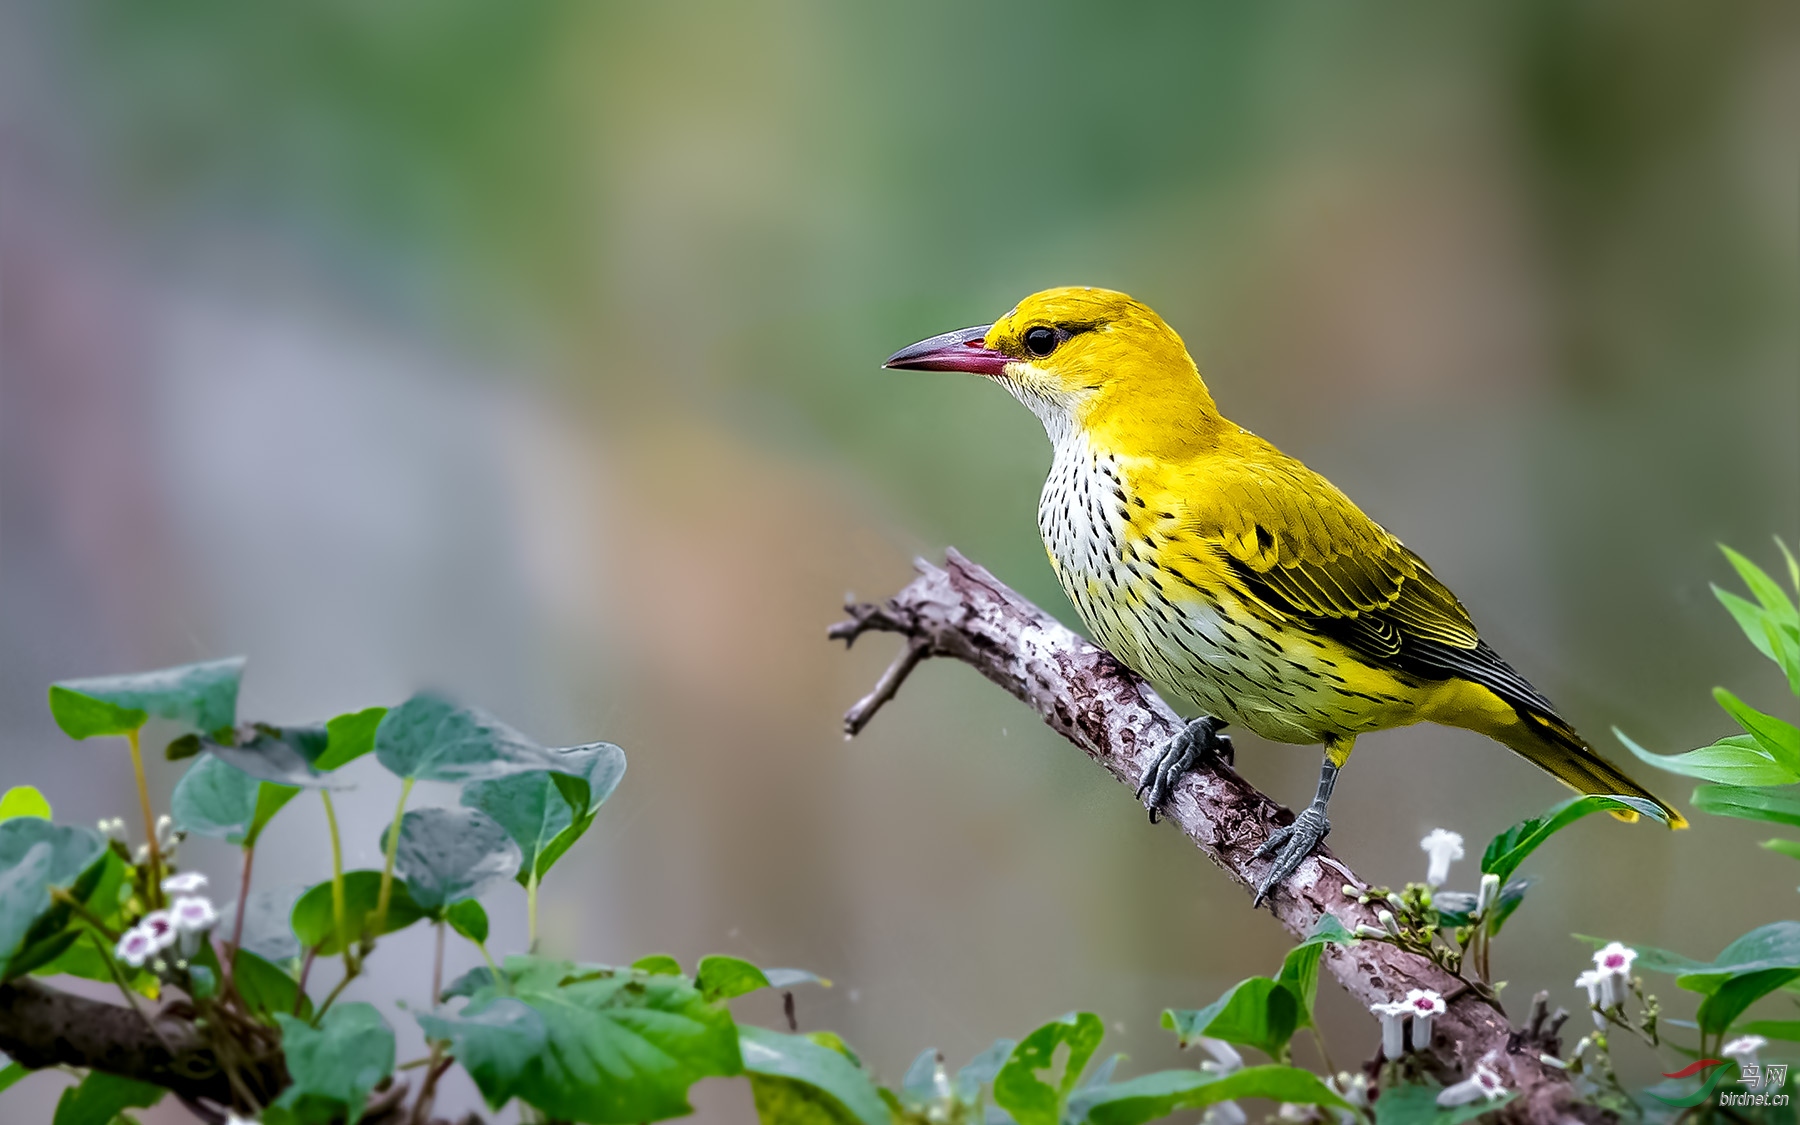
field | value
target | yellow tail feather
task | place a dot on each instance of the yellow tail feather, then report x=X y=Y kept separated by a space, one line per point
x=1553 y=746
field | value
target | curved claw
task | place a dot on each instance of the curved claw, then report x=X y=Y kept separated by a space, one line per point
x=1290 y=845
x=1199 y=739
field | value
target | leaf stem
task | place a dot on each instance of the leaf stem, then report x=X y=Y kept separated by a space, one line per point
x=387 y=867
x=350 y=974
x=243 y=902
x=338 y=911
x=143 y=788
x=531 y=903
x=87 y=915
x=437 y=968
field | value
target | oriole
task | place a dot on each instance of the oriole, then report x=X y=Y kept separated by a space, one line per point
x=1229 y=574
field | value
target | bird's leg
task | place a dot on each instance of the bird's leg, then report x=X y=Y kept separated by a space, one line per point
x=1293 y=843
x=1180 y=754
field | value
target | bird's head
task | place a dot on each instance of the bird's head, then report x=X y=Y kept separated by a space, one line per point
x=1084 y=360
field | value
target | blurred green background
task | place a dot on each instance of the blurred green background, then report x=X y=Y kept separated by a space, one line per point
x=531 y=351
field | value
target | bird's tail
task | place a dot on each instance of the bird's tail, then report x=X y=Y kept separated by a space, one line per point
x=1553 y=746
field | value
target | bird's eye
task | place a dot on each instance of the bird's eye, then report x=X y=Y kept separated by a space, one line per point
x=1040 y=341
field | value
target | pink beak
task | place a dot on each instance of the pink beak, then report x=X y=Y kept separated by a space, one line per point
x=962 y=350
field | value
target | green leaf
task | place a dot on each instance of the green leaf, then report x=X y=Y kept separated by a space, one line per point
x=268 y=923
x=1733 y=997
x=1510 y=848
x=217 y=799
x=267 y=988
x=1790 y=848
x=546 y=812
x=618 y=1046
x=100 y=1097
x=446 y=855
x=1774 y=636
x=1788 y=1031
x=338 y=1062
x=1030 y=1099
x=499 y=1044
x=312 y=920
x=1776 y=805
x=36 y=855
x=24 y=800
x=1733 y=760
x=1155 y=1096
x=1778 y=738
x=1766 y=589
x=1257 y=1012
x=835 y=1088
x=1512 y=895
x=1417 y=1105
x=204 y=696
x=1774 y=946
x=430 y=738
x=282 y=755
x=349 y=737
x=1300 y=968
x=659 y=963
x=724 y=978
x=468 y=919
x=10 y=1074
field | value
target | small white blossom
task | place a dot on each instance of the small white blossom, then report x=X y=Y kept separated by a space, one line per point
x=113 y=828
x=1393 y=1027
x=160 y=926
x=1226 y=1060
x=1444 y=848
x=193 y=916
x=1224 y=1113
x=1353 y=1087
x=1295 y=1112
x=1386 y=918
x=1600 y=992
x=1484 y=1083
x=1488 y=894
x=1615 y=960
x=1744 y=1050
x=185 y=883
x=136 y=947
x=1423 y=1005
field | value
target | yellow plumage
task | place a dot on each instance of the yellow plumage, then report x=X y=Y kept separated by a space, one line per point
x=1225 y=571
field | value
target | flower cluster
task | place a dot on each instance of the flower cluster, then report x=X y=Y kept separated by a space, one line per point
x=1422 y=1006
x=183 y=925
x=1609 y=981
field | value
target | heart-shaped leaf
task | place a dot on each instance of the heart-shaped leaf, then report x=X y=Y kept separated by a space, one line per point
x=337 y=1063
x=795 y=1078
x=446 y=855
x=24 y=800
x=1257 y=1012
x=312 y=919
x=204 y=696
x=546 y=812
x=217 y=799
x=349 y=737
x=281 y=755
x=36 y=855
x=429 y=738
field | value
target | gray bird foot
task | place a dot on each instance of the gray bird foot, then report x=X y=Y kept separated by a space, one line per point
x=1198 y=740
x=1289 y=846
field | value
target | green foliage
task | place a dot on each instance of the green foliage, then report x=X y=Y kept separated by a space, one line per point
x=1416 y=1104
x=449 y=855
x=36 y=856
x=546 y=811
x=808 y=1080
x=313 y=920
x=1155 y=1096
x=468 y=919
x=99 y=1098
x=267 y=988
x=1264 y=1012
x=429 y=738
x=723 y=978
x=349 y=737
x=24 y=800
x=334 y=1066
x=1510 y=848
x=1032 y=1100
x=589 y=1043
x=203 y=696
x=218 y=799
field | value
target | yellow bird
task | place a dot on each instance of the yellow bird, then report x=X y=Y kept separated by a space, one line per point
x=1229 y=574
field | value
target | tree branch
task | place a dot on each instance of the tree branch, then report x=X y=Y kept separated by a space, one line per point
x=963 y=612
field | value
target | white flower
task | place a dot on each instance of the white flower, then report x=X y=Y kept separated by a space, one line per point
x=185 y=883
x=1225 y=1056
x=1490 y=891
x=1393 y=1027
x=1423 y=1005
x=136 y=947
x=160 y=926
x=1599 y=987
x=1484 y=1083
x=1743 y=1050
x=1616 y=960
x=1224 y=1113
x=113 y=828
x=1444 y=847
x=193 y=916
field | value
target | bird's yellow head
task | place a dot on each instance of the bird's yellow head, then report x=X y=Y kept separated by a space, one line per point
x=1084 y=360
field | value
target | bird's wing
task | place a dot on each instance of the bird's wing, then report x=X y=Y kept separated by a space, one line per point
x=1304 y=549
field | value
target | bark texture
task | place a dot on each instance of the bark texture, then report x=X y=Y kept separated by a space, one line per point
x=963 y=612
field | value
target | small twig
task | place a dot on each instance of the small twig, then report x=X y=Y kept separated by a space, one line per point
x=910 y=657
x=237 y=923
